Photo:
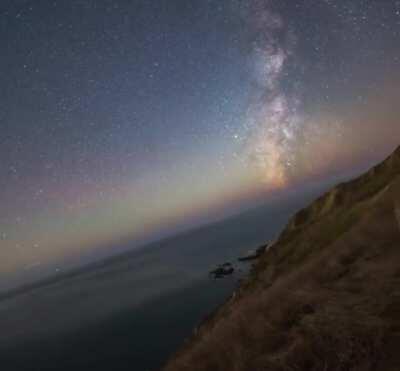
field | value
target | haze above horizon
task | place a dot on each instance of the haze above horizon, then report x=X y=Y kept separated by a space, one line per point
x=134 y=120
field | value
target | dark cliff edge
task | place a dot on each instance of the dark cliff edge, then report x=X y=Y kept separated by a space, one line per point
x=325 y=296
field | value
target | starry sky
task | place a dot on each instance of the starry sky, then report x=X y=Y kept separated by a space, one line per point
x=132 y=120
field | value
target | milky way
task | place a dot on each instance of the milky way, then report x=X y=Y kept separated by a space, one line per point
x=276 y=125
x=283 y=141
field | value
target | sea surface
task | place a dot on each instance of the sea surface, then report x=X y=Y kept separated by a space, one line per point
x=131 y=312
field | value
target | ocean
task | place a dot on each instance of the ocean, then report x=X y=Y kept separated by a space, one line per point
x=133 y=311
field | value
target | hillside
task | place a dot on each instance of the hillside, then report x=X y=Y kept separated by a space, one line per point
x=326 y=296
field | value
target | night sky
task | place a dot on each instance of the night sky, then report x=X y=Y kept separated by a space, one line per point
x=131 y=120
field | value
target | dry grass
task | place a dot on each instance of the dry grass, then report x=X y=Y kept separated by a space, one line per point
x=327 y=297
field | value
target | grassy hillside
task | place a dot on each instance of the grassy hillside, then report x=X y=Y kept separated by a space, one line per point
x=326 y=296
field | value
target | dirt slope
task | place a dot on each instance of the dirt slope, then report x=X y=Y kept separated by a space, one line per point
x=326 y=296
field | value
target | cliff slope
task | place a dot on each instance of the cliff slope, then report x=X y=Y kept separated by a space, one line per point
x=326 y=296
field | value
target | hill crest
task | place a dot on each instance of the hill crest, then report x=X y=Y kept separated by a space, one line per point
x=326 y=296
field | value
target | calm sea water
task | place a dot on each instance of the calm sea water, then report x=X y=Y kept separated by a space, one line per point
x=133 y=312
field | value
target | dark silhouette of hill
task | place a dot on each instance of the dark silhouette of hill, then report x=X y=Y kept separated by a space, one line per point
x=325 y=296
